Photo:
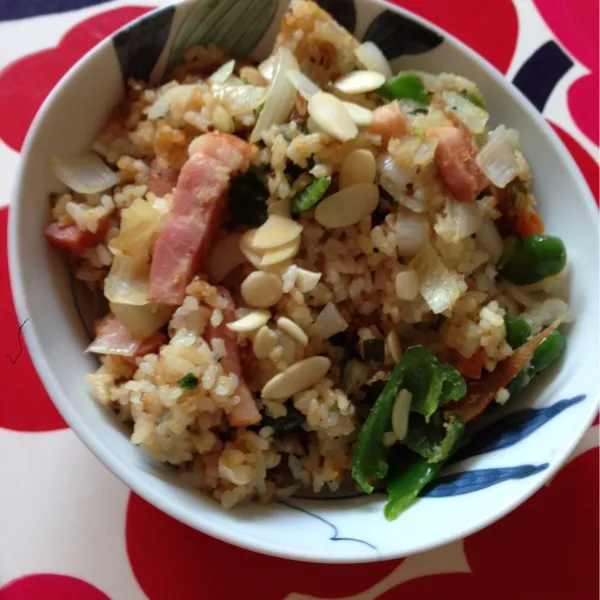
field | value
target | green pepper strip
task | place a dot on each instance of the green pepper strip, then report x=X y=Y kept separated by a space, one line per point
x=308 y=197
x=532 y=259
x=404 y=85
x=431 y=384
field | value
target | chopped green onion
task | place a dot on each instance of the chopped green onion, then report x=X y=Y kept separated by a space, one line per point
x=404 y=85
x=308 y=197
x=474 y=99
x=188 y=382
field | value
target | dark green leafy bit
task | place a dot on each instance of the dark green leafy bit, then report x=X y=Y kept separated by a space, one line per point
x=404 y=85
x=434 y=441
x=310 y=196
x=431 y=383
x=292 y=420
x=475 y=99
x=532 y=259
x=188 y=382
x=518 y=331
x=421 y=110
x=248 y=199
x=373 y=350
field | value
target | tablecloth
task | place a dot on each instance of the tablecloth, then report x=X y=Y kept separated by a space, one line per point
x=70 y=530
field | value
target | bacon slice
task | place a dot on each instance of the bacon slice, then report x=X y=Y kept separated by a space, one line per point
x=246 y=412
x=161 y=180
x=390 y=122
x=199 y=202
x=74 y=240
x=455 y=161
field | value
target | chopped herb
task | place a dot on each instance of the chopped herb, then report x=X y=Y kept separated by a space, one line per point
x=474 y=99
x=245 y=81
x=304 y=130
x=308 y=197
x=292 y=420
x=373 y=350
x=419 y=111
x=188 y=382
x=248 y=198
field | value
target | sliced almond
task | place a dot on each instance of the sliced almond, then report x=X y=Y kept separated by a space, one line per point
x=253 y=257
x=306 y=281
x=264 y=342
x=332 y=117
x=298 y=377
x=293 y=330
x=359 y=114
x=348 y=206
x=274 y=232
x=400 y=413
x=261 y=289
x=358 y=167
x=250 y=322
x=360 y=82
x=278 y=255
x=393 y=344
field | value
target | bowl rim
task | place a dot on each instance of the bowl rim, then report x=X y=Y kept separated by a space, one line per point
x=129 y=476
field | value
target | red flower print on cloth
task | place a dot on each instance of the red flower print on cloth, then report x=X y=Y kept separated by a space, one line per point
x=22 y=94
x=490 y=28
x=188 y=565
x=547 y=547
x=25 y=405
x=50 y=587
x=575 y=24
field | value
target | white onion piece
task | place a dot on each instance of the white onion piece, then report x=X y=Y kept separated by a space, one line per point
x=303 y=85
x=439 y=287
x=85 y=174
x=281 y=95
x=394 y=178
x=161 y=106
x=239 y=98
x=113 y=344
x=475 y=117
x=489 y=239
x=412 y=232
x=223 y=73
x=466 y=218
x=330 y=321
x=371 y=57
x=400 y=413
x=497 y=159
x=267 y=67
x=142 y=321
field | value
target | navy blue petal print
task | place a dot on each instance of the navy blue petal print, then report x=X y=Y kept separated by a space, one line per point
x=513 y=428
x=139 y=46
x=11 y=10
x=335 y=535
x=397 y=35
x=541 y=72
x=466 y=482
x=343 y=11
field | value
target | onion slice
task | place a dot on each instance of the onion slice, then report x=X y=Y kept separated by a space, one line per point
x=85 y=174
x=304 y=86
x=223 y=73
x=281 y=95
x=371 y=57
x=497 y=158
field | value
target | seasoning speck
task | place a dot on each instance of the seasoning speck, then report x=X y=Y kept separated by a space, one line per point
x=188 y=382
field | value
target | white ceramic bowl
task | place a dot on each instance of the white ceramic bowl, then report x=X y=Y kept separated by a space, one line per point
x=538 y=431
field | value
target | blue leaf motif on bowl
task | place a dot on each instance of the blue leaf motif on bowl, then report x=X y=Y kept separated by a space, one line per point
x=397 y=35
x=343 y=11
x=139 y=46
x=234 y=25
x=513 y=428
x=471 y=481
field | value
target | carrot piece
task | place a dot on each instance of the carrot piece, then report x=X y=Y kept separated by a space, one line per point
x=529 y=223
x=481 y=393
x=472 y=366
